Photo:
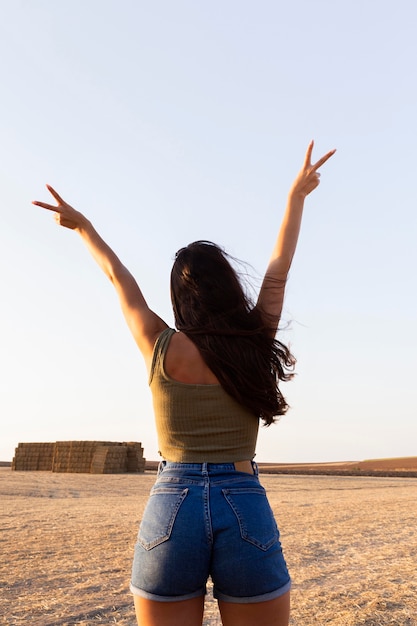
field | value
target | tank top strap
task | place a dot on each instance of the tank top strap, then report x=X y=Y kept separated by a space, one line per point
x=160 y=348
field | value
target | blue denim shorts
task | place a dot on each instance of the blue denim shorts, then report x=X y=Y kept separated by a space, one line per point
x=207 y=519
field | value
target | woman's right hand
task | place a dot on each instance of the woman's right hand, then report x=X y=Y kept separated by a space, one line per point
x=64 y=214
x=309 y=178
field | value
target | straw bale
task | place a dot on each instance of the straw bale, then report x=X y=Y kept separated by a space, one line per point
x=135 y=459
x=109 y=460
x=32 y=456
x=80 y=457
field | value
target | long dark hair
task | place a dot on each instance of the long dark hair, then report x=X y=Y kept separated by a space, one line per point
x=212 y=309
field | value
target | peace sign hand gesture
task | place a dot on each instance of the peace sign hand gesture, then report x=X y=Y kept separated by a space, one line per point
x=64 y=214
x=309 y=178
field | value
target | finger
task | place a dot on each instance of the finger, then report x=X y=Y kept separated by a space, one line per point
x=44 y=205
x=323 y=160
x=307 y=159
x=55 y=194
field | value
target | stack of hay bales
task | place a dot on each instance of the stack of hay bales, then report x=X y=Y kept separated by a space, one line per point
x=75 y=456
x=135 y=459
x=96 y=457
x=33 y=457
x=109 y=460
x=46 y=455
x=62 y=453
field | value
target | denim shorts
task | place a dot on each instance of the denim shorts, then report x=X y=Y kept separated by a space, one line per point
x=207 y=519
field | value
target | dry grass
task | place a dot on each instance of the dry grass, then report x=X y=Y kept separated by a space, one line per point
x=67 y=541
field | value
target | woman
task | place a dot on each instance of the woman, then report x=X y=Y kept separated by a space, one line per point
x=212 y=380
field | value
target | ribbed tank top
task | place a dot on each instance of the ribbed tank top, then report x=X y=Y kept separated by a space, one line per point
x=198 y=423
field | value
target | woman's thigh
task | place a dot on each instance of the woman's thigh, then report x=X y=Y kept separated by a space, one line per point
x=182 y=613
x=271 y=613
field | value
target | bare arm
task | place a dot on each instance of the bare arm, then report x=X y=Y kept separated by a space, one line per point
x=144 y=324
x=271 y=295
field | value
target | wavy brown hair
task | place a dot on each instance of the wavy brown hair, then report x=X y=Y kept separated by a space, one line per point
x=212 y=309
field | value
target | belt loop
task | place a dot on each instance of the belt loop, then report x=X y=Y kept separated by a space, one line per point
x=255 y=468
x=204 y=469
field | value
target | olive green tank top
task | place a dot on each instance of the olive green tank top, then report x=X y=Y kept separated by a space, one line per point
x=198 y=423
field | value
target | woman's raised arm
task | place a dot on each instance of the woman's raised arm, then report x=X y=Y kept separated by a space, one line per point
x=144 y=324
x=271 y=295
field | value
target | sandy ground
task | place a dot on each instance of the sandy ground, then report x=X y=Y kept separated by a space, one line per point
x=67 y=542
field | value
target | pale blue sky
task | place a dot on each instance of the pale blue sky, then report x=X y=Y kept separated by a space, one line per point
x=171 y=121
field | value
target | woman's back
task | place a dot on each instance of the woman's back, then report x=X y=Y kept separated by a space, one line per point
x=196 y=419
x=184 y=363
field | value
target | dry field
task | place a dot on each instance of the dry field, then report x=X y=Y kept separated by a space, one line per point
x=402 y=466
x=67 y=540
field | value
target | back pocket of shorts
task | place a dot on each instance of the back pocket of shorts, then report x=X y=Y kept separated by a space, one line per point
x=160 y=515
x=254 y=515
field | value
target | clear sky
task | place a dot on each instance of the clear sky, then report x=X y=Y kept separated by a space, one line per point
x=171 y=121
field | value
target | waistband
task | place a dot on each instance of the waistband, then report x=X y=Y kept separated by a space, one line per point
x=248 y=467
